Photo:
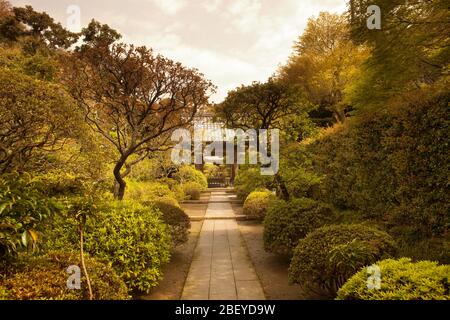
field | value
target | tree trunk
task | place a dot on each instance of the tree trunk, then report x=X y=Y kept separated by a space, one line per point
x=83 y=263
x=284 y=193
x=120 y=184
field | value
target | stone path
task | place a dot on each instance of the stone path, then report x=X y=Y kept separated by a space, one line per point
x=221 y=268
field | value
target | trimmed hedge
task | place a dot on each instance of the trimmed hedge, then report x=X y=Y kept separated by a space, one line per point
x=401 y=280
x=192 y=190
x=133 y=238
x=391 y=164
x=256 y=204
x=248 y=180
x=175 y=217
x=188 y=174
x=45 y=278
x=287 y=222
x=330 y=255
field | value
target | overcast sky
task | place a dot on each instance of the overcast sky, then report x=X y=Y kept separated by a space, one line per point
x=232 y=42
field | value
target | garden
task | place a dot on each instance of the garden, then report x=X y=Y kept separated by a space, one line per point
x=358 y=210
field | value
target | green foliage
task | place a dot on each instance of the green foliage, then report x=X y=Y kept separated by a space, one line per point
x=324 y=64
x=36 y=30
x=330 y=255
x=40 y=66
x=256 y=204
x=392 y=166
x=175 y=217
x=259 y=105
x=45 y=278
x=22 y=209
x=192 y=190
x=189 y=174
x=34 y=116
x=401 y=280
x=148 y=191
x=297 y=172
x=410 y=51
x=175 y=187
x=287 y=222
x=215 y=171
x=248 y=180
x=133 y=239
x=129 y=236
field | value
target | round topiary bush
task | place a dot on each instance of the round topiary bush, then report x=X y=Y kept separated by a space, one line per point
x=45 y=278
x=177 y=220
x=255 y=206
x=287 y=222
x=192 y=190
x=330 y=255
x=189 y=174
x=134 y=239
x=400 y=280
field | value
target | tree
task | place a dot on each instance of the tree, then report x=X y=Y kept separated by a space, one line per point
x=35 y=116
x=270 y=105
x=5 y=8
x=324 y=63
x=411 y=50
x=132 y=97
x=259 y=105
x=36 y=29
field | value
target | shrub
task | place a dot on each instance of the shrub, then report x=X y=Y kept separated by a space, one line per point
x=256 y=204
x=45 y=277
x=214 y=171
x=287 y=222
x=330 y=255
x=147 y=191
x=391 y=164
x=175 y=217
x=175 y=187
x=192 y=190
x=189 y=174
x=23 y=207
x=401 y=280
x=133 y=239
x=248 y=180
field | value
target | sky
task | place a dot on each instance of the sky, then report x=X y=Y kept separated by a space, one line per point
x=232 y=42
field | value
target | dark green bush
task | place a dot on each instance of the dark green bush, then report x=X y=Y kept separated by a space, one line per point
x=287 y=222
x=391 y=164
x=188 y=174
x=248 y=180
x=255 y=206
x=401 y=280
x=330 y=255
x=133 y=239
x=296 y=172
x=23 y=207
x=130 y=236
x=192 y=190
x=175 y=217
x=45 y=277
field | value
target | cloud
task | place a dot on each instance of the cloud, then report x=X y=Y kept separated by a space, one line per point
x=232 y=42
x=245 y=14
x=211 y=5
x=170 y=7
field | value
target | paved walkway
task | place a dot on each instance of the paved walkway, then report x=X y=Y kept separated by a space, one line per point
x=221 y=268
